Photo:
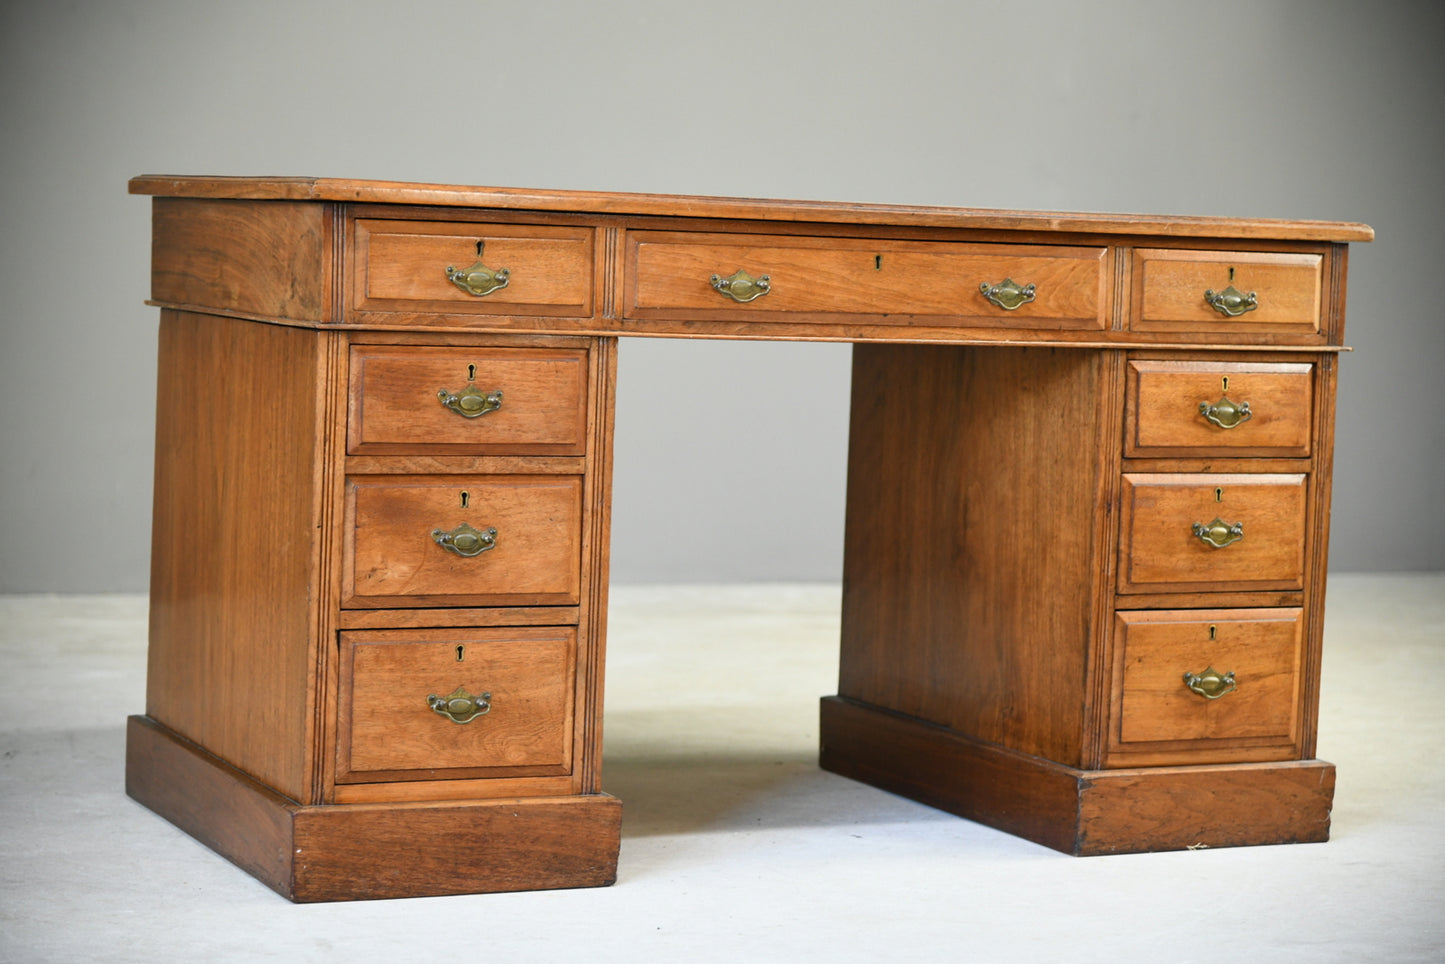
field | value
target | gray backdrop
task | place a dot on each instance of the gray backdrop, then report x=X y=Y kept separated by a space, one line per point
x=729 y=455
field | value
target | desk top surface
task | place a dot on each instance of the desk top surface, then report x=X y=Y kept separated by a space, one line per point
x=662 y=205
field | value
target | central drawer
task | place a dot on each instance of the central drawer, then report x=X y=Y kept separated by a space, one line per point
x=463 y=540
x=674 y=274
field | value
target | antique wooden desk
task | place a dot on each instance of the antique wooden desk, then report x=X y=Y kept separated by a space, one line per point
x=1088 y=506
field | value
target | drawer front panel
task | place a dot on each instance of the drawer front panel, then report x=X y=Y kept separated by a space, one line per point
x=482 y=401
x=388 y=729
x=671 y=276
x=1171 y=288
x=1247 y=660
x=1160 y=550
x=404 y=266
x=395 y=559
x=1182 y=408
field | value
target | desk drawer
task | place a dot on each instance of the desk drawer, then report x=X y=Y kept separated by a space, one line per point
x=474 y=401
x=463 y=540
x=1244 y=667
x=1246 y=409
x=407 y=266
x=510 y=693
x=672 y=275
x=1266 y=291
x=1211 y=532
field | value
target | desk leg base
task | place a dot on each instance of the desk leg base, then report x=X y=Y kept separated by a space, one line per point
x=372 y=851
x=1080 y=812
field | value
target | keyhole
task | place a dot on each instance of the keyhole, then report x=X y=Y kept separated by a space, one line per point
x=466 y=498
x=878 y=262
x=480 y=243
x=1231 y=274
x=1225 y=382
x=1212 y=631
x=1218 y=495
x=472 y=373
x=462 y=650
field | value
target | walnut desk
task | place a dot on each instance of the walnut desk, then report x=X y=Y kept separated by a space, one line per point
x=1088 y=506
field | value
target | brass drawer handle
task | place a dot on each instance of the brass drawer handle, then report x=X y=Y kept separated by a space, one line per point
x=1210 y=684
x=466 y=541
x=479 y=280
x=1231 y=302
x=470 y=402
x=1219 y=533
x=1225 y=413
x=1007 y=294
x=741 y=286
x=460 y=706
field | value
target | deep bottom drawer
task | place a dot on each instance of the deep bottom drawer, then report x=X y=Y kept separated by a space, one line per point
x=451 y=704
x=1206 y=686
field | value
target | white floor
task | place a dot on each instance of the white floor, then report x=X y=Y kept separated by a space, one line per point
x=734 y=844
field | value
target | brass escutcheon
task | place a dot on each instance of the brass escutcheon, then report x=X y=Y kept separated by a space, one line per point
x=1231 y=302
x=470 y=402
x=1210 y=684
x=1219 y=533
x=741 y=286
x=479 y=280
x=460 y=706
x=1007 y=294
x=466 y=541
x=1225 y=413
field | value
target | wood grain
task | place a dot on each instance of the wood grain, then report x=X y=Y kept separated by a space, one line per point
x=395 y=409
x=596 y=561
x=1157 y=720
x=383 y=851
x=592 y=202
x=1195 y=808
x=1162 y=417
x=452 y=617
x=401 y=264
x=1159 y=552
x=372 y=851
x=245 y=821
x=394 y=561
x=234 y=545
x=1170 y=287
x=972 y=561
x=1013 y=478
x=670 y=275
x=387 y=730
x=1080 y=812
x=223 y=255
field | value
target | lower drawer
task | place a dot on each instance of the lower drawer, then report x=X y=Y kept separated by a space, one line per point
x=452 y=704
x=1205 y=686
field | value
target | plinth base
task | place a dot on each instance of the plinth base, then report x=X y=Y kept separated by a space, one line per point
x=372 y=851
x=1080 y=812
